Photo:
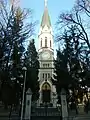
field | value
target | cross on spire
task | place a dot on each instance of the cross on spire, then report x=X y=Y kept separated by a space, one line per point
x=45 y=2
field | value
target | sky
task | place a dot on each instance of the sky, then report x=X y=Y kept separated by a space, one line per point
x=55 y=7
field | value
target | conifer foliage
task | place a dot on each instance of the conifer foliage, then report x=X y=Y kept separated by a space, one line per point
x=32 y=65
x=68 y=65
x=13 y=35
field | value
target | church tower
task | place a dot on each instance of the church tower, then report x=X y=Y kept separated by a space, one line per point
x=46 y=58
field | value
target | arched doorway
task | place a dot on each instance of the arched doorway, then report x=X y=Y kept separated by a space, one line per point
x=46 y=92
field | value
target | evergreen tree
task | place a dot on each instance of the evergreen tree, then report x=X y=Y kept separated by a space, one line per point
x=32 y=65
x=67 y=63
x=13 y=34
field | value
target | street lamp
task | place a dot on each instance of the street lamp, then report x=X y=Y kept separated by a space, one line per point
x=25 y=70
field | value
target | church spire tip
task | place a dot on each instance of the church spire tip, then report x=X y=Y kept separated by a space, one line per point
x=45 y=17
x=45 y=1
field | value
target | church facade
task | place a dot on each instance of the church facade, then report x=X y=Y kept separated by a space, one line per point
x=46 y=59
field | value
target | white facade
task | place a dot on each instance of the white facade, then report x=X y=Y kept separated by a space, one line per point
x=46 y=58
x=45 y=32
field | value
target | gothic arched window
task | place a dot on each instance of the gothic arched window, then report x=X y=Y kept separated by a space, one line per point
x=45 y=41
x=50 y=43
x=41 y=42
x=43 y=75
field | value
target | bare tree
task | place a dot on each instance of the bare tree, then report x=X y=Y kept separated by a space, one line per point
x=9 y=29
x=83 y=6
x=79 y=15
x=14 y=32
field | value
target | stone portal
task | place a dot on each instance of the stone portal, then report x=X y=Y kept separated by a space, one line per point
x=46 y=93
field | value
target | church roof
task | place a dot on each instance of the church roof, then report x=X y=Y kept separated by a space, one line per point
x=45 y=18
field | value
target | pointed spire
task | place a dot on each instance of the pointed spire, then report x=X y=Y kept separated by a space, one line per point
x=45 y=1
x=45 y=17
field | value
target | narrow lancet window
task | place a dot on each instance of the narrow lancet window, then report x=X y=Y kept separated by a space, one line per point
x=50 y=43
x=41 y=42
x=45 y=41
x=43 y=75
